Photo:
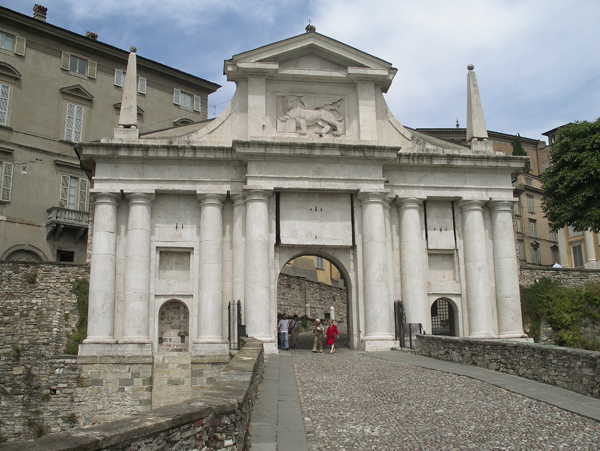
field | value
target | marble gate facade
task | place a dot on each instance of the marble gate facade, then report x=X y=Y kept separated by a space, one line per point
x=306 y=159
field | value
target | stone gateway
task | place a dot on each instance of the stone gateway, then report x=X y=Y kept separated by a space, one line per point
x=307 y=159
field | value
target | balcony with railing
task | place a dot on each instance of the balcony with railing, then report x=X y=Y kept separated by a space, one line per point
x=63 y=218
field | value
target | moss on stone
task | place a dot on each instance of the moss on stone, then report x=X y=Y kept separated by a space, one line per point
x=81 y=287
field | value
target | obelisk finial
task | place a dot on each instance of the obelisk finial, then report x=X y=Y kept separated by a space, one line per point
x=475 y=121
x=128 y=116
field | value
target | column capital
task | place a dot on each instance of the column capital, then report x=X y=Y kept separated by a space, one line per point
x=261 y=195
x=238 y=199
x=409 y=203
x=211 y=199
x=471 y=204
x=140 y=198
x=502 y=204
x=367 y=197
x=387 y=201
x=106 y=198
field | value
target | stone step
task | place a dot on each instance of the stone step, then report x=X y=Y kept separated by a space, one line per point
x=172 y=379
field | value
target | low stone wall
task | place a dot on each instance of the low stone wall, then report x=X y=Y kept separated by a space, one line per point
x=570 y=278
x=574 y=369
x=217 y=420
x=294 y=292
x=37 y=382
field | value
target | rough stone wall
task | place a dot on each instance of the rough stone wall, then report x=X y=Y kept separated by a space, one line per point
x=573 y=369
x=566 y=277
x=294 y=292
x=37 y=382
x=218 y=420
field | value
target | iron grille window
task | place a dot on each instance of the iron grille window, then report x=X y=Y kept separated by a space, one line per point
x=65 y=256
x=442 y=318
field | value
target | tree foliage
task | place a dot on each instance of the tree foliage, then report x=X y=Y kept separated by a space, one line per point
x=572 y=184
x=519 y=151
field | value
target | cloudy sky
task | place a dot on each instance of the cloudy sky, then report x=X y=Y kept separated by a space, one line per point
x=537 y=61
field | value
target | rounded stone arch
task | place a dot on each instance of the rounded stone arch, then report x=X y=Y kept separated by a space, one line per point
x=24 y=253
x=341 y=259
x=444 y=317
x=173 y=326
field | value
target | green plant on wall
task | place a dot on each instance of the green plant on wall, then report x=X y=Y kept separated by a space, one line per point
x=81 y=287
x=16 y=350
x=565 y=310
x=38 y=427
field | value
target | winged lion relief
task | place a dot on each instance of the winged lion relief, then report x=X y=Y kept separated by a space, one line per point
x=311 y=114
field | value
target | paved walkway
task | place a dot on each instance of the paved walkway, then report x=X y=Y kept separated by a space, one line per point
x=395 y=400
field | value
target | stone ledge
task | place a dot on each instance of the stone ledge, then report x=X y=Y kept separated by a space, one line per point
x=232 y=393
x=577 y=370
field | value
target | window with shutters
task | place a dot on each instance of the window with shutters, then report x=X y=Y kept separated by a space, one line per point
x=517 y=208
x=73 y=193
x=74 y=123
x=536 y=255
x=530 y=204
x=532 y=229
x=520 y=250
x=4 y=97
x=119 y=78
x=518 y=226
x=7 y=41
x=6 y=176
x=142 y=84
x=185 y=100
x=77 y=65
x=320 y=263
x=553 y=236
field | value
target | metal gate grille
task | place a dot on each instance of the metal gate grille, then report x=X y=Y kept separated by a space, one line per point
x=441 y=318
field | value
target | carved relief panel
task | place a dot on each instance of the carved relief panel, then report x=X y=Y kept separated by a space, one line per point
x=311 y=114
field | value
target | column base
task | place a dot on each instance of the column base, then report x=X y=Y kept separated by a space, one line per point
x=99 y=340
x=484 y=335
x=204 y=348
x=115 y=349
x=379 y=345
x=134 y=340
x=519 y=340
x=512 y=335
x=270 y=348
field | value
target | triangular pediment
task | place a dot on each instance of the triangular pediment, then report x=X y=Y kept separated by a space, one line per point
x=310 y=55
x=77 y=91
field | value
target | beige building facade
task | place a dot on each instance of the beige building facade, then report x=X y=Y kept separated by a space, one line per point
x=59 y=88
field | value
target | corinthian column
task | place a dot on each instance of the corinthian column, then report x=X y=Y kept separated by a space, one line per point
x=137 y=269
x=256 y=278
x=210 y=296
x=378 y=312
x=479 y=304
x=101 y=311
x=412 y=262
x=506 y=271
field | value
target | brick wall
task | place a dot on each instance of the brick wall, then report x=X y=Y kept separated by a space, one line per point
x=573 y=369
x=37 y=382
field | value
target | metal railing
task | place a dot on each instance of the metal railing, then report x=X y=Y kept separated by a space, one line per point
x=237 y=330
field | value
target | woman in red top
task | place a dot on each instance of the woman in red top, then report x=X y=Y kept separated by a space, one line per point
x=332 y=334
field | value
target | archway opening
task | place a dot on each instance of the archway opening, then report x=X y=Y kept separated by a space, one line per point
x=312 y=286
x=443 y=318
x=173 y=327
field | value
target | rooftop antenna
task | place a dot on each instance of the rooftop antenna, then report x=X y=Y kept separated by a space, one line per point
x=457 y=124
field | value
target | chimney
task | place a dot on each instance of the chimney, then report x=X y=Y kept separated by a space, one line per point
x=93 y=36
x=39 y=12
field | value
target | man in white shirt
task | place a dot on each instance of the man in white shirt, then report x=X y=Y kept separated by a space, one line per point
x=557 y=265
x=282 y=328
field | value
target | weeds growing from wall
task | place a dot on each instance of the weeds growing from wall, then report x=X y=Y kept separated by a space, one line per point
x=566 y=310
x=81 y=287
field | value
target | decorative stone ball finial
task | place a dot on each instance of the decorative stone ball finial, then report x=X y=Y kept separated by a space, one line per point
x=310 y=28
x=133 y=49
x=470 y=67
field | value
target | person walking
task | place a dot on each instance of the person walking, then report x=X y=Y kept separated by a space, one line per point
x=294 y=332
x=332 y=334
x=283 y=328
x=318 y=331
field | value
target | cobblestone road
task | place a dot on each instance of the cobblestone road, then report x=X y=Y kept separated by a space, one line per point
x=351 y=401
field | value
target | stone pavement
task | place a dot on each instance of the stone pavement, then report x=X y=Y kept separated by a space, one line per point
x=395 y=400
